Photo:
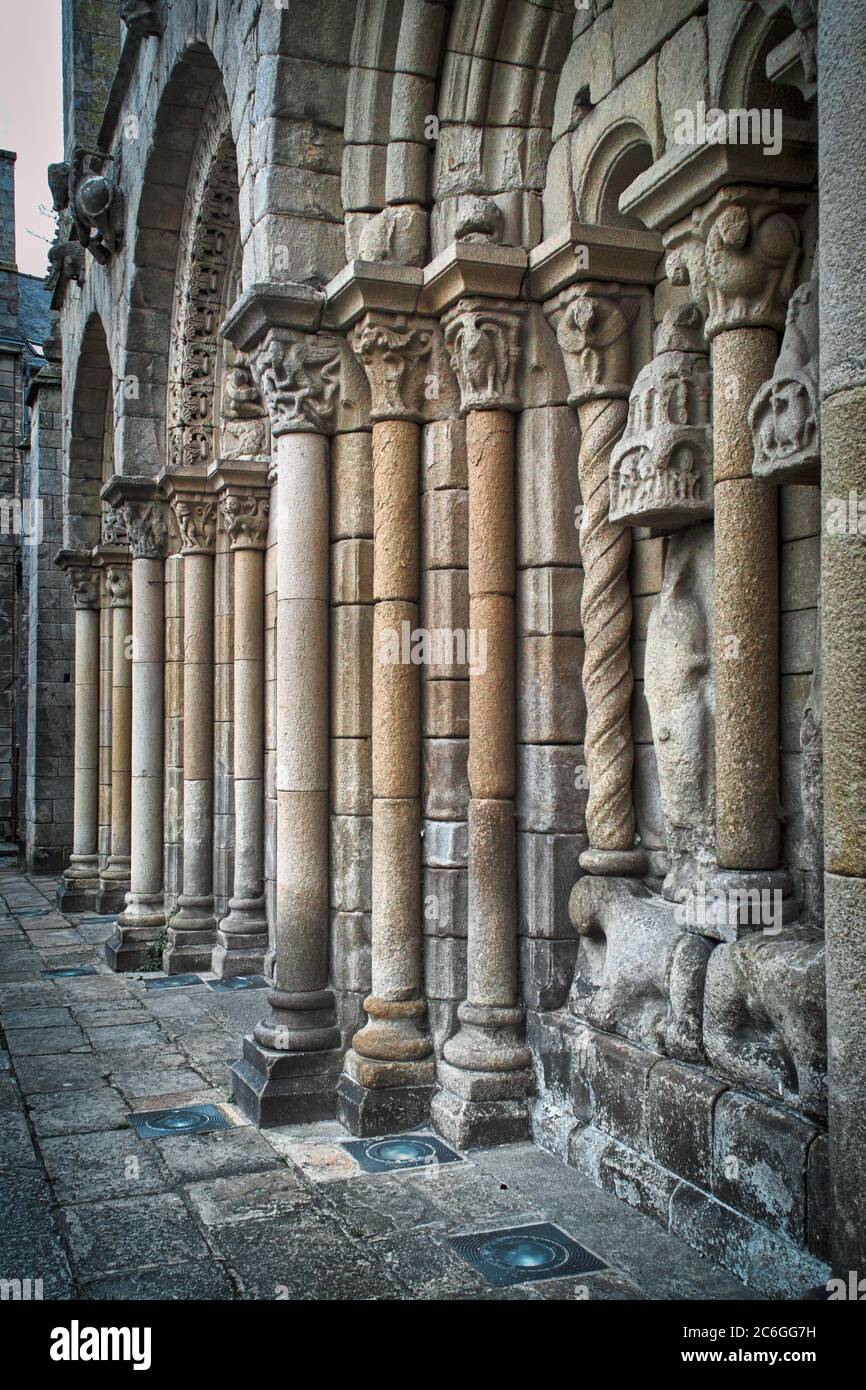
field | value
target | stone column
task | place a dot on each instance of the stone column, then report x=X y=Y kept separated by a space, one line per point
x=291 y=1061
x=842 y=211
x=740 y=251
x=80 y=879
x=389 y=1070
x=485 y=1077
x=242 y=936
x=192 y=929
x=114 y=878
x=143 y=920
x=593 y=332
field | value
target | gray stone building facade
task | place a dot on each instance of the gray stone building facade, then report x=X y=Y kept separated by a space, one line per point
x=462 y=492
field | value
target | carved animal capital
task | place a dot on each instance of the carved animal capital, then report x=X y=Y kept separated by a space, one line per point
x=483 y=341
x=393 y=350
x=114 y=530
x=592 y=329
x=784 y=415
x=196 y=516
x=739 y=253
x=245 y=520
x=118 y=582
x=83 y=582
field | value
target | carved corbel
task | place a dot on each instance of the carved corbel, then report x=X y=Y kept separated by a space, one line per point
x=142 y=17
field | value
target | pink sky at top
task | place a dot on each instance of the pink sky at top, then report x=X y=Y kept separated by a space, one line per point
x=31 y=117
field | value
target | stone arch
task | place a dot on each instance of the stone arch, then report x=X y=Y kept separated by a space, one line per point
x=620 y=155
x=89 y=457
x=742 y=80
x=184 y=119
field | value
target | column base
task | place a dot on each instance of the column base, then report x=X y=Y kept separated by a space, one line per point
x=281 y=1088
x=111 y=895
x=191 y=936
x=614 y=863
x=384 y=1098
x=242 y=941
x=77 y=894
x=479 y=1124
x=142 y=924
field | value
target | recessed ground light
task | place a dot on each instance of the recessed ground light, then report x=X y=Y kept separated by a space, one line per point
x=237 y=982
x=521 y=1254
x=32 y=911
x=173 y=982
x=399 y=1151
x=184 y=1119
x=68 y=972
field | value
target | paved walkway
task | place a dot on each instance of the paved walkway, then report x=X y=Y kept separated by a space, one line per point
x=94 y=1211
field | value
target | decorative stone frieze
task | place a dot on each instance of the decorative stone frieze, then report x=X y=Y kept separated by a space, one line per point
x=298 y=375
x=784 y=413
x=482 y=337
x=196 y=516
x=662 y=468
x=245 y=520
x=393 y=350
x=739 y=252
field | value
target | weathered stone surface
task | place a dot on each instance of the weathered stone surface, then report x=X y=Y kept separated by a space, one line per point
x=760 y=1163
x=764 y=1024
x=681 y=1107
x=547 y=869
x=639 y=973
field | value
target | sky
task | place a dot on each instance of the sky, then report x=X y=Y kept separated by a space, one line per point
x=31 y=118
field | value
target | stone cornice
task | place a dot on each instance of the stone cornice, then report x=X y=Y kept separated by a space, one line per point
x=472 y=268
x=242 y=474
x=582 y=252
x=104 y=555
x=689 y=175
x=267 y=306
x=363 y=287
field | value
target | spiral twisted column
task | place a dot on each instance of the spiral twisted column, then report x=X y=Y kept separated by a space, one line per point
x=593 y=333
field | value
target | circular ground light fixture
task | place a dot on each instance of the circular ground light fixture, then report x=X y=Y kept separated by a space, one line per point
x=185 y=1119
x=523 y=1254
x=399 y=1151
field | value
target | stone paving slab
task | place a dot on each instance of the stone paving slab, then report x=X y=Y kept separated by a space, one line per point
x=286 y=1213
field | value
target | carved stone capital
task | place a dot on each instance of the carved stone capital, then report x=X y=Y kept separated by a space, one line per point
x=393 y=350
x=83 y=582
x=245 y=520
x=592 y=328
x=114 y=530
x=739 y=253
x=146 y=526
x=483 y=341
x=784 y=415
x=118 y=582
x=196 y=517
x=298 y=375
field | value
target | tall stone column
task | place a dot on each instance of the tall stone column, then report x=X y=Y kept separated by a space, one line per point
x=114 y=880
x=242 y=936
x=593 y=332
x=143 y=920
x=389 y=1070
x=485 y=1078
x=80 y=879
x=740 y=252
x=842 y=212
x=291 y=1061
x=192 y=929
